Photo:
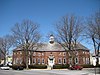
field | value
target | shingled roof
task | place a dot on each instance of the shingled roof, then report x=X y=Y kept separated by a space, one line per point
x=58 y=47
x=53 y=47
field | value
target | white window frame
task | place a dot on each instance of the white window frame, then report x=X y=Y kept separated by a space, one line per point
x=77 y=62
x=34 y=53
x=64 y=60
x=60 y=61
x=83 y=60
x=39 y=61
x=64 y=53
x=43 y=61
x=34 y=61
x=76 y=52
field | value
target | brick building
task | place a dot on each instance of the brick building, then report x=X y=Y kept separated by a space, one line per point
x=52 y=53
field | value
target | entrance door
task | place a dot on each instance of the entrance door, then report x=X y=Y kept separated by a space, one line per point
x=51 y=61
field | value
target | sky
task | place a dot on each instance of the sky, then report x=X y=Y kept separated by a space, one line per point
x=43 y=12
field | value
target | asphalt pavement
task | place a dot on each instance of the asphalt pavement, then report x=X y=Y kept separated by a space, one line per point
x=48 y=72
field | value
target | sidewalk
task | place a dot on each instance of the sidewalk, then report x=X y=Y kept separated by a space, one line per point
x=65 y=71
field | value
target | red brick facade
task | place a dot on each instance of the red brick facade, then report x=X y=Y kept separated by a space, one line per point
x=55 y=52
x=41 y=57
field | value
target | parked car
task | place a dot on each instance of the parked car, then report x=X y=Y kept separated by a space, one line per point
x=9 y=64
x=5 y=67
x=75 y=67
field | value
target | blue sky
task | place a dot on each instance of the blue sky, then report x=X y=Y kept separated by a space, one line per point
x=43 y=12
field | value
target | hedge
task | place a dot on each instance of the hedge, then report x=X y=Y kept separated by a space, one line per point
x=37 y=66
x=89 y=66
x=60 y=66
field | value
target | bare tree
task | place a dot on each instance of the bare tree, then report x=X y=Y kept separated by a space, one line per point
x=5 y=45
x=26 y=34
x=93 y=31
x=69 y=29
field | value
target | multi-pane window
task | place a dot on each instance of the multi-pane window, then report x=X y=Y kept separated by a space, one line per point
x=87 y=60
x=83 y=60
x=42 y=60
x=38 y=60
x=60 y=61
x=34 y=60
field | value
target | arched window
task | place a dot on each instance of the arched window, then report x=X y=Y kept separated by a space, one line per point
x=64 y=61
x=76 y=60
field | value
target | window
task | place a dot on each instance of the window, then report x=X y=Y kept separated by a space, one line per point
x=87 y=60
x=38 y=60
x=34 y=60
x=59 y=53
x=70 y=60
x=18 y=60
x=76 y=60
x=83 y=52
x=39 y=54
x=42 y=60
x=59 y=61
x=42 y=54
x=64 y=53
x=84 y=60
x=76 y=52
x=34 y=54
x=64 y=61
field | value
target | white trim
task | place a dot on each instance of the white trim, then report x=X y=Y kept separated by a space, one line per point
x=34 y=61
x=43 y=61
x=39 y=61
x=59 y=60
x=64 y=60
x=76 y=60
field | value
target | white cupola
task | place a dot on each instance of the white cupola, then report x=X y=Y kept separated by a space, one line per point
x=51 y=39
